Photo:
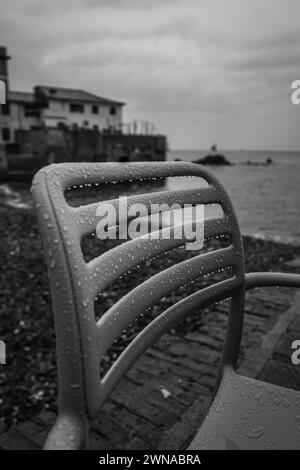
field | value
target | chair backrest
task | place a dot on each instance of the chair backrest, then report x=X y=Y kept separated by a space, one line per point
x=81 y=340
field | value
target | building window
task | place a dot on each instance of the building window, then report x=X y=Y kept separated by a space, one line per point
x=2 y=67
x=76 y=108
x=113 y=110
x=5 y=109
x=6 y=134
x=31 y=110
x=95 y=109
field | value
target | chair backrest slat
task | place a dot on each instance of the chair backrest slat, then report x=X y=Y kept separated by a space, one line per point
x=160 y=325
x=139 y=250
x=86 y=214
x=147 y=294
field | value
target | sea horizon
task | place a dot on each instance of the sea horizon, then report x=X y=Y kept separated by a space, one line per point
x=224 y=150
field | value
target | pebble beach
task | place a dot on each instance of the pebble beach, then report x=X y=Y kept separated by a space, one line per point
x=28 y=381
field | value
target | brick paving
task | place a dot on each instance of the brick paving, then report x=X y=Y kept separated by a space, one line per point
x=163 y=399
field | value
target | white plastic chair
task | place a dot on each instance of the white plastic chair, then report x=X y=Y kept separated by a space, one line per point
x=245 y=413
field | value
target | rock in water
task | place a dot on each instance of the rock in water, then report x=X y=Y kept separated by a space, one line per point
x=215 y=159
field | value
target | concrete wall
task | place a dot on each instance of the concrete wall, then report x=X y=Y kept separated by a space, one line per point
x=4 y=122
x=3 y=163
x=124 y=147
x=58 y=145
x=17 y=120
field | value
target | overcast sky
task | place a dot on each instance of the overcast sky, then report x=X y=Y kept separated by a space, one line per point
x=203 y=71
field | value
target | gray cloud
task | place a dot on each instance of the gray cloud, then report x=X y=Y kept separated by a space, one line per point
x=176 y=62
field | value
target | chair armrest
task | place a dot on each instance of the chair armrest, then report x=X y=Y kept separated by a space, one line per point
x=68 y=433
x=253 y=280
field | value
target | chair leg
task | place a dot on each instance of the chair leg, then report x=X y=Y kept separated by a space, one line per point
x=234 y=329
x=233 y=336
x=68 y=433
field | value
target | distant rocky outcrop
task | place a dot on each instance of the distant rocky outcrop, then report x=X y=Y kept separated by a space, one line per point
x=213 y=159
x=267 y=162
x=220 y=160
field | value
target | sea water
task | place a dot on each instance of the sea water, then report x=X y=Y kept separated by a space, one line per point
x=266 y=198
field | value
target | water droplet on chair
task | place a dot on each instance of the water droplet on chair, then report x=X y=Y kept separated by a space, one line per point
x=256 y=433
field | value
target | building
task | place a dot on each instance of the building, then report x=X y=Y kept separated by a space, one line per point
x=52 y=107
x=55 y=124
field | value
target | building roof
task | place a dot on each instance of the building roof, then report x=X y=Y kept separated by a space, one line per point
x=69 y=94
x=21 y=97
